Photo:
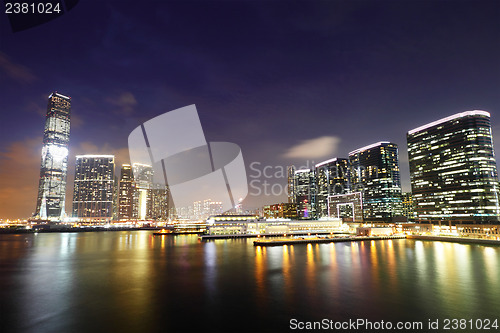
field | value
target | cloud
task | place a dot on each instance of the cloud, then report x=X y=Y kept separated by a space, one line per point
x=314 y=148
x=76 y=120
x=15 y=71
x=36 y=108
x=19 y=174
x=124 y=103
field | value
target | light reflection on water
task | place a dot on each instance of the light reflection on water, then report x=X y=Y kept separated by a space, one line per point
x=133 y=281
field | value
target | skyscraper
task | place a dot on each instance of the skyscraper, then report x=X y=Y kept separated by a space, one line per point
x=54 y=166
x=375 y=171
x=94 y=188
x=291 y=183
x=159 y=202
x=126 y=193
x=143 y=178
x=453 y=169
x=304 y=184
x=332 y=177
x=407 y=206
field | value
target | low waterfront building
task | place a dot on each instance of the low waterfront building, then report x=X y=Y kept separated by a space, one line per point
x=488 y=231
x=266 y=227
x=415 y=228
x=375 y=231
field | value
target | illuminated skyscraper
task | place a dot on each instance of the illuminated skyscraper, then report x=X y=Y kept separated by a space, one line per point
x=143 y=178
x=375 y=173
x=291 y=184
x=407 y=205
x=126 y=193
x=159 y=202
x=332 y=177
x=453 y=169
x=94 y=187
x=304 y=184
x=54 y=166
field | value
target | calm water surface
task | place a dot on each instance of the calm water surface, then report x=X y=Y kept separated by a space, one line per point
x=136 y=282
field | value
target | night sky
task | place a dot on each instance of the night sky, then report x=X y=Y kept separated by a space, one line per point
x=289 y=82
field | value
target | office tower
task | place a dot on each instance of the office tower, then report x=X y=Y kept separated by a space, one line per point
x=126 y=193
x=453 y=170
x=143 y=179
x=375 y=171
x=304 y=182
x=159 y=202
x=290 y=185
x=407 y=206
x=54 y=166
x=283 y=210
x=348 y=206
x=198 y=210
x=332 y=178
x=94 y=188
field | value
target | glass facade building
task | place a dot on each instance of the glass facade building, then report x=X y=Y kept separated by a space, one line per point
x=143 y=178
x=453 y=169
x=304 y=185
x=290 y=184
x=126 y=193
x=375 y=173
x=54 y=165
x=332 y=177
x=407 y=205
x=94 y=188
x=159 y=202
x=348 y=207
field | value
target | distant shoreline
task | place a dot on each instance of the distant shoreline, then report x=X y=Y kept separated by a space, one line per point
x=11 y=231
x=451 y=239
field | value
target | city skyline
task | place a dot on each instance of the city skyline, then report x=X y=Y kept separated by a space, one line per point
x=289 y=85
x=383 y=156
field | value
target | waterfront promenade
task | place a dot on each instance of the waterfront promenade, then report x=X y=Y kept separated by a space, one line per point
x=293 y=241
x=464 y=240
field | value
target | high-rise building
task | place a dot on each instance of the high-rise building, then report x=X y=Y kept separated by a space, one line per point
x=126 y=193
x=143 y=178
x=453 y=169
x=290 y=185
x=159 y=202
x=332 y=177
x=94 y=188
x=348 y=207
x=375 y=171
x=283 y=210
x=54 y=166
x=407 y=206
x=304 y=183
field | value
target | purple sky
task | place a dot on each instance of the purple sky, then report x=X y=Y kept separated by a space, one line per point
x=287 y=81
